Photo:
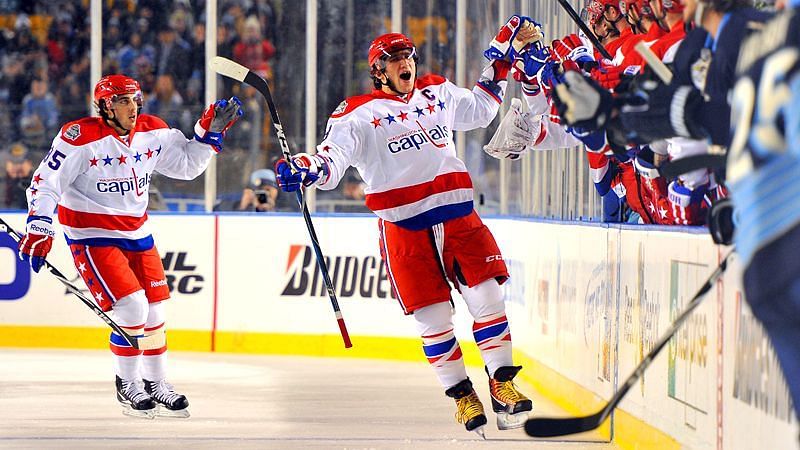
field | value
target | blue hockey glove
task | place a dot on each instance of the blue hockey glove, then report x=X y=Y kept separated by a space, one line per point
x=506 y=45
x=304 y=169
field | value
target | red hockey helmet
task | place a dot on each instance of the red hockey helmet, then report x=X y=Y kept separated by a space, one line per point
x=596 y=9
x=110 y=87
x=386 y=44
x=673 y=6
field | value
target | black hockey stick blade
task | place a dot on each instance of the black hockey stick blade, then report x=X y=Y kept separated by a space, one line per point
x=555 y=426
x=674 y=168
x=577 y=19
x=552 y=427
x=5 y=227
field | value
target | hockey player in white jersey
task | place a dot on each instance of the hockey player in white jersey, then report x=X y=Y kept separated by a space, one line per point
x=97 y=176
x=400 y=139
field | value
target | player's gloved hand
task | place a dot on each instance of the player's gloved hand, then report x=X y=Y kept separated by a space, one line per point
x=653 y=110
x=515 y=132
x=595 y=141
x=581 y=103
x=608 y=77
x=528 y=65
x=571 y=48
x=517 y=32
x=38 y=239
x=303 y=169
x=721 y=222
x=216 y=120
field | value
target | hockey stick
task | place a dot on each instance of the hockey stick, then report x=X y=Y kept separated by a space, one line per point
x=655 y=63
x=675 y=167
x=5 y=227
x=577 y=19
x=231 y=69
x=550 y=426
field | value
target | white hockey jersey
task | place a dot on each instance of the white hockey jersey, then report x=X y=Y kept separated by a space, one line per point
x=403 y=148
x=101 y=183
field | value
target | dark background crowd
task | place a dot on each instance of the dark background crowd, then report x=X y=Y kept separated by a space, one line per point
x=45 y=82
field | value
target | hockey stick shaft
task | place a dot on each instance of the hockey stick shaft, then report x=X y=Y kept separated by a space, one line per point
x=589 y=34
x=655 y=63
x=74 y=290
x=231 y=69
x=676 y=167
x=550 y=427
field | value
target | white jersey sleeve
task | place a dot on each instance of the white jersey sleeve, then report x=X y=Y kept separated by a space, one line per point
x=552 y=135
x=340 y=147
x=181 y=158
x=57 y=171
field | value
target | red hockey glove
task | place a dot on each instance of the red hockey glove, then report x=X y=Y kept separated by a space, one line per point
x=38 y=239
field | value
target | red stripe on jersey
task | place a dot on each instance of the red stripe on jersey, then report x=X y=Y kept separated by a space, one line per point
x=80 y=219
x=430 y=79
x=146 y=122
x=410 y=194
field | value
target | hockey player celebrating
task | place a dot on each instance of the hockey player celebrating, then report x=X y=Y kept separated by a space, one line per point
x=400 y=138
x=97 y=175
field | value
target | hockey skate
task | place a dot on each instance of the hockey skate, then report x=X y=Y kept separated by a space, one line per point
x=469 y=407
x=135 y=402
x=170 y=403
x=510 y=406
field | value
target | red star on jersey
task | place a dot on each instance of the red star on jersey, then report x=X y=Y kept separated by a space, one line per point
x=149 y=153
x=431 y=108
x=403 y=116
x=93 y=162
x=376 y=122
x=37 y=178
x=122 y=159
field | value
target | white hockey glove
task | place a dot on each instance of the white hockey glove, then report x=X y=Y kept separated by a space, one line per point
x=516 y=131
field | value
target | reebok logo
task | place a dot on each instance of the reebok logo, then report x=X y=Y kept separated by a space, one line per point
x=41 y=230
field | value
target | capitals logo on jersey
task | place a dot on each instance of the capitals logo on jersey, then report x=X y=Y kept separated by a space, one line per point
x=415 y=139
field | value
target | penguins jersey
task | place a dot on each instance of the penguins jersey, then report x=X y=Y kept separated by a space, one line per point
x=764 y=155
x=100 y=182
x=403 y=148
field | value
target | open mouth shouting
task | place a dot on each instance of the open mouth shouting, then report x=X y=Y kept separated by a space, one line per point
x=405 y=75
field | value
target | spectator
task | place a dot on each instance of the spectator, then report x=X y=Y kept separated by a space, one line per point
x=172 y=55
x=167 y=103
x=253 y=51
x=134 y=49
x=39 y=116
x=262 y=194
x=18 y=169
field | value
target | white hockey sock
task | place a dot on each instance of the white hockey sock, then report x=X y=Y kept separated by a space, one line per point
x=435 y=325
x=491 y=330
x=130 y=313
x=154 y=360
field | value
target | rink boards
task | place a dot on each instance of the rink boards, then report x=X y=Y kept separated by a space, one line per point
x=586 y=302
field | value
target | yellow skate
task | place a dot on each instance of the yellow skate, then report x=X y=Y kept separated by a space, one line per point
x=510 y=406
x=469 y=407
